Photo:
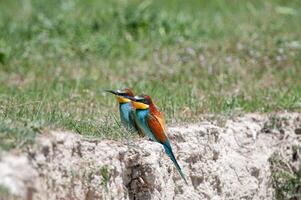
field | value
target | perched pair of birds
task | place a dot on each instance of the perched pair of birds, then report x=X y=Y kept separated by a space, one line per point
x=138 y=113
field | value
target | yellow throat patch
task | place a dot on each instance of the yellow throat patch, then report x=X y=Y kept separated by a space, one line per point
x=139 y=105
x=122 y=99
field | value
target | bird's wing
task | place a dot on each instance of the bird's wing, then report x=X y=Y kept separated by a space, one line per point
x=156 y=126
x=160 y=118
x=155 y=112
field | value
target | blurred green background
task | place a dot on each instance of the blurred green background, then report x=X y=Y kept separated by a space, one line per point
x=192 y=57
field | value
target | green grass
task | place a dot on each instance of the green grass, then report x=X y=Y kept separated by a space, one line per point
x=4 y=192
x=105 y=175
x=192 y=57
x=286 y=179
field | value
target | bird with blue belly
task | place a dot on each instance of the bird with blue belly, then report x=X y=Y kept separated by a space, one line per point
x=139 y=113
x=126 y=110
x=151 y=122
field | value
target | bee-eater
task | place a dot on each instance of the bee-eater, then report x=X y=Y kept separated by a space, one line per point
x=125 y=108
x=150 y=121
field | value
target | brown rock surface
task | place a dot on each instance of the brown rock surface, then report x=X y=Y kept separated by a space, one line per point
x=220 y=162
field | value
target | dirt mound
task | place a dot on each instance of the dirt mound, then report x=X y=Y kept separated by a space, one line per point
x=229 y=161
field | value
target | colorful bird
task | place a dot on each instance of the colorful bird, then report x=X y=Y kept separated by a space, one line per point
x=125 y=108
x=151 y=123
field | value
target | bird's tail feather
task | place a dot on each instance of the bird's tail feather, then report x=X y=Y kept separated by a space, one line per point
x=170 y=154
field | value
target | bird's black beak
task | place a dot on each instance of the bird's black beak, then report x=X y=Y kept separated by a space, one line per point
x=111 y=91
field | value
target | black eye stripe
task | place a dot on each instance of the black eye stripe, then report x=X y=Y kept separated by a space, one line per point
x=122 y=94
x=145 y=101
